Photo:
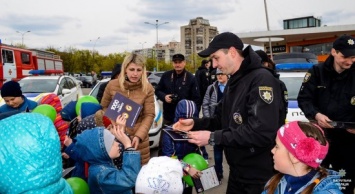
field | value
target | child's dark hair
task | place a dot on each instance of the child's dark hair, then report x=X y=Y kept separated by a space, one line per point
x=310 y=130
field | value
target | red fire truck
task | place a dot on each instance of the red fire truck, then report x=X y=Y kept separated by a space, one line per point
x=16 y=63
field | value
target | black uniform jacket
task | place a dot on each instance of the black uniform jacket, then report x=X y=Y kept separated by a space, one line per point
x=184 y=85
x=325 y=91
x=202 y=76
x=249 y=116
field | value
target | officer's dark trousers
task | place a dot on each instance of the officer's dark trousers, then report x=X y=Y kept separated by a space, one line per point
x=236 y=187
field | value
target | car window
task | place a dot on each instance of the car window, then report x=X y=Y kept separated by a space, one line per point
x=37 y=85
x=66 y=84
x=293 y=85
x=61 y=86
x=71 y=83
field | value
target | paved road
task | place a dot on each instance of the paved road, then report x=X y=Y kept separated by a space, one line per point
x=217 y=190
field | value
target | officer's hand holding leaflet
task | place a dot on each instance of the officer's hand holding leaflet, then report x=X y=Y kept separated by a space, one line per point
x=199 y=138
x=323 y=120
x=183 y=125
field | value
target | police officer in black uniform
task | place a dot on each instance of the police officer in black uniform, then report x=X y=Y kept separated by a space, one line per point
x=327 y=96
x=247 y=118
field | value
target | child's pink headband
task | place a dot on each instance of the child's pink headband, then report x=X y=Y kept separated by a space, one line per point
x=306 y=149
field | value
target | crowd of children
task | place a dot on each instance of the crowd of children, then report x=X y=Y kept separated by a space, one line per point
x=105 y=158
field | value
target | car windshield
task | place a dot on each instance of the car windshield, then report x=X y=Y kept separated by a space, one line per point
x=96 y=89
x=38 y=85
x=293 y=85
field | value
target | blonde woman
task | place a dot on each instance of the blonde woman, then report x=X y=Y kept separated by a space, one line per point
x=133 y=83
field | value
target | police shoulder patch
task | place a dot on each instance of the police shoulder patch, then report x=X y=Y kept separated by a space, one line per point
x=352 y=101
x=306 y=77
x=266 y=94
x=237 y=117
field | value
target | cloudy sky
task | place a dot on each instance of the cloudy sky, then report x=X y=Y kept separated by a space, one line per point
x=120 y=24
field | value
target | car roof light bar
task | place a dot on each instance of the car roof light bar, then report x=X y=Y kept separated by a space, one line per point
x=293 y=66
x=45 y=72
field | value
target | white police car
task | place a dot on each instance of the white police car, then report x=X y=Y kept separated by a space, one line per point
x=35 y=87
x=155 y=129
x=292 y=75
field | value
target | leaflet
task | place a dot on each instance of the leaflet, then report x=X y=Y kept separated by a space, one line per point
x=207 y=180
x=121 y=105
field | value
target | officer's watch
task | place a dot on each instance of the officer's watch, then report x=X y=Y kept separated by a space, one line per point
x=211 y=140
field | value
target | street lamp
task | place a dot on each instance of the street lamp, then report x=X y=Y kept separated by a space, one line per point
x=23 y=34
x=156 y=27
x=93 y=48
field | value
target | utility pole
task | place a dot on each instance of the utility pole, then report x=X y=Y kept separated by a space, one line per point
x=268 y=29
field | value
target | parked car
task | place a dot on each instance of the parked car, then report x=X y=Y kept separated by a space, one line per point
x=154 y=77
x=293 y=82
x=292 y=73
x=155 y=129
x=65 y=87
x=87 y=81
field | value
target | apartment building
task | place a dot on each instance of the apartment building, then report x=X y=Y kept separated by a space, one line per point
x=196 y=36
